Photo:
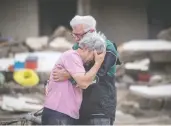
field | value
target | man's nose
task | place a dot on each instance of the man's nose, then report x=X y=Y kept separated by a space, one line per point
x=77 y=39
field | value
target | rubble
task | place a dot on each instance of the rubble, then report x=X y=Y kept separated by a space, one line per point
x=138 y=65
x=48 y=49
x=16 y=98
x=156 y=50
x=165 y=34
x=60 y=43
x=18 y=49
x=135 y=110
x=127 y=79
x=2 y=79
x=122 y=117
x=147 y=60
x=4 y=52
x=61 y=31
x=61 y=40
x=37 y=43
x=153 y=92
x=45 y=63
x=20 y=104
x=5 y=63
x=46 y=59
x=155 y=79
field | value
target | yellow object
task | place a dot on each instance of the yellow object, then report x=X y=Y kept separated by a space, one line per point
x=26 y=77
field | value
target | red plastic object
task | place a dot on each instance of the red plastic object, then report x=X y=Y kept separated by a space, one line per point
x=144 y=77
x=11 y=68
x=31 y=65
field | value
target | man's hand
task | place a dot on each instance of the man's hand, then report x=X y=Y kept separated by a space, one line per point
x=60 y=74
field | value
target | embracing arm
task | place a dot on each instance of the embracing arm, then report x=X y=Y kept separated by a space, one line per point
x=74 y=65
x=85 y=79
x=109 y=61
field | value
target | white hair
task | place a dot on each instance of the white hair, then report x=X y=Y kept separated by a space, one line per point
x=93 y=41
x=88 y=21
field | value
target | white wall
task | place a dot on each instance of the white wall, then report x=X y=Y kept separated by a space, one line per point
x=19 y=18
x=121 y=20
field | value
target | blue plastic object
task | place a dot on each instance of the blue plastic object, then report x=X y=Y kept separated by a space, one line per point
x=19 y=65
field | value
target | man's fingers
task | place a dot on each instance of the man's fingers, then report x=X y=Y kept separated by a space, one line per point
x=55 y=77
x=56 y=80
x=63 y=71
x=54 y=71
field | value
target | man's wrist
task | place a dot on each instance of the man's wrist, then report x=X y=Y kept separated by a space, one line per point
x=66 y=75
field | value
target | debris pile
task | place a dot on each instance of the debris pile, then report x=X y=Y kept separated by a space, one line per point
x=61 y=40
x=36 y=53
x=146 y=75
x=146 y=61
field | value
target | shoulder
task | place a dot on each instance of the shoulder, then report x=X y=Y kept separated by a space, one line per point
x=71 y=55
x=110 y=47
x=109 y=44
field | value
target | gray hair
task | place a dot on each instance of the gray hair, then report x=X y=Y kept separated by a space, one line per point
x=93 y=41
x=88 y=21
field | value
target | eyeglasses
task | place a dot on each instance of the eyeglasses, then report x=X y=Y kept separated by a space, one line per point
x=80 y=35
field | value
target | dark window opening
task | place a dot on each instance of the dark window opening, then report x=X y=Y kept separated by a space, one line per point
x=54 y=13
x=159 y=18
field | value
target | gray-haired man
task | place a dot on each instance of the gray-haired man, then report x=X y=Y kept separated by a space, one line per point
x=99 y=99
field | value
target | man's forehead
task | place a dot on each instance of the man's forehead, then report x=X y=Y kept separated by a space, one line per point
x=79 y=26
x=78 y=30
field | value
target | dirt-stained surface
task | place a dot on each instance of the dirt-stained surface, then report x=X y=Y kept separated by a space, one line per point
x=134 y=110
x=131 y=109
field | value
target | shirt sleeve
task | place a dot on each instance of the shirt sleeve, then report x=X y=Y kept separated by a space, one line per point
x=109 y=61
x=73 y=63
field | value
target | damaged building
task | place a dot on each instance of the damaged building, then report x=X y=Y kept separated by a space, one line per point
x=120 y=20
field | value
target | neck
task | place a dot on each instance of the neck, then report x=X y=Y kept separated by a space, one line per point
x=81 y=55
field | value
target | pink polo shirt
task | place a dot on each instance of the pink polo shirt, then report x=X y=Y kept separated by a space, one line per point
x=63 y=96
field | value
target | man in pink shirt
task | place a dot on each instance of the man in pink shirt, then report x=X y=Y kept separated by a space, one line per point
x=63 y=99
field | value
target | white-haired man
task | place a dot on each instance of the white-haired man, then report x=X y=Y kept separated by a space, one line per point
x=99 y=99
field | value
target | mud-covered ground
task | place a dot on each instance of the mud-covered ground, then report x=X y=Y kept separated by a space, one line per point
x=130 y=109
x=134 y=110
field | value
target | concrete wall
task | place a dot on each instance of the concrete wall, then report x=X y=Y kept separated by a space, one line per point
x=19 y=18
x=121 y=20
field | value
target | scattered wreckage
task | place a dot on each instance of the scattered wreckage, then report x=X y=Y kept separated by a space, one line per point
x=146 y=61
